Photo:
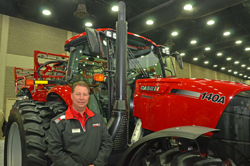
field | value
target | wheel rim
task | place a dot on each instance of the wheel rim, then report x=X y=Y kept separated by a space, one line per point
x=14 y=148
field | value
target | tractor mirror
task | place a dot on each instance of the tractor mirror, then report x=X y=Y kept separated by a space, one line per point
x=179 y=60
x=94 y=40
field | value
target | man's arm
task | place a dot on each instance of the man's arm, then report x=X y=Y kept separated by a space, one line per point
x=105 y=149
x=55 y=148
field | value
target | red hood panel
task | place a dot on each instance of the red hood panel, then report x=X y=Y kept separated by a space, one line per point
x=170 y=102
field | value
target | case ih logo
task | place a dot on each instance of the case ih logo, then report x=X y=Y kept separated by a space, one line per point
x=150 y=88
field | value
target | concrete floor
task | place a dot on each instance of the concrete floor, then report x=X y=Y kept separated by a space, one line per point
x=1 y=152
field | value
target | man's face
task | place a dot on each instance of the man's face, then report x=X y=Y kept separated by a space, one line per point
x=80 y=98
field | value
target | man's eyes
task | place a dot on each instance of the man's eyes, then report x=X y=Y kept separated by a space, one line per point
x=78 y=94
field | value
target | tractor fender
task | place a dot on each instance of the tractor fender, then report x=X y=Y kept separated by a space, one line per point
x=63 y=91
x=188 y=132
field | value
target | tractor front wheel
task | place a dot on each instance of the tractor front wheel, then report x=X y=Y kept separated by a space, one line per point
x=27 y=129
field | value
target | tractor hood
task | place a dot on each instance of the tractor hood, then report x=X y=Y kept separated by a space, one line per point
x=182 y=102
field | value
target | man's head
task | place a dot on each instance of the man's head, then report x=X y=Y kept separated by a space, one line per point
x=80 y=96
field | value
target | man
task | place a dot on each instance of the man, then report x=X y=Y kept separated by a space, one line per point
x=79 y=137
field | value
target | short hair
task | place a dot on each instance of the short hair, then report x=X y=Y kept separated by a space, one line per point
x=80 y=83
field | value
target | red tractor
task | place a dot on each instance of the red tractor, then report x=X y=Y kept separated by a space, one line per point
x=154 y=118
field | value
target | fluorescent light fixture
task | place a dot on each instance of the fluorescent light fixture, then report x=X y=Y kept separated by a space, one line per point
x=235 y=72
x=88 y=24
x=243 y=65
x=223 y=68
x=182 y=54
x=174 y=33
x=248 y=68
x=206 y=62
x=238 y=42
x=226 y=33
x=195 y=59
x=188 y=7
x=229 y=59
x=229 y=70
x=46 y=12
x=247 y=49
x=219 y=54
x=207 y=48
x=245 y=76
x=150 y=22
x=215 y=65
x=210 y=22
x=240 y=74
x=193 y=42
x=236 y=62
x=115 y=8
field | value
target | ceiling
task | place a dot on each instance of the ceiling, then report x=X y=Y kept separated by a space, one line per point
x=168 y=16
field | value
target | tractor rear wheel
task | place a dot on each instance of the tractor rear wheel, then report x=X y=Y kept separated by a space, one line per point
x=27 y=129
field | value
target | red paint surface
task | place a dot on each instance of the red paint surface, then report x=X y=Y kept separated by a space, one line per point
x=163 y=109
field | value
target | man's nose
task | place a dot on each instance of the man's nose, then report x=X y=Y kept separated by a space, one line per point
x=81 y=96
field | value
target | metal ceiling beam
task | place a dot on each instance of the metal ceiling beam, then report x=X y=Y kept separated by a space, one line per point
x=173 y=10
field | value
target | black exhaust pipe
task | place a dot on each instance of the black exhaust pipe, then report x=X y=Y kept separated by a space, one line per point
x=117 y=125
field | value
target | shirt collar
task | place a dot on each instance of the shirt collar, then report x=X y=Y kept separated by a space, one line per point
x=70 y=114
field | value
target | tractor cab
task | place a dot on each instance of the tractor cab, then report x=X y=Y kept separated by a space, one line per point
x=92 y=54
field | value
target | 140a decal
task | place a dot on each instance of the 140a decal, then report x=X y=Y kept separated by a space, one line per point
x=213 y=97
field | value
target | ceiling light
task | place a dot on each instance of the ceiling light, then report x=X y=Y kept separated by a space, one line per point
x=248 y=68
x=182 y=54
x=207 y=48
x=215 y=65
x=193 y=42
x=195 y=59
x=245 y=75
x=247 y=49
x=229 y=71
x=226 y=33
x=223 y=68
x=249 y=77
x=206 y=62
x=219 y=54
x=240 y=74
x=150 y=22
x=228 y=59
x=210 y=22
x=174 y=33
x=235 y=72
x=115 y=8
x=238 y=42
x=236 y=62
x=188 y=7
x=243 y=65
x=88 y=24
x=46 y=12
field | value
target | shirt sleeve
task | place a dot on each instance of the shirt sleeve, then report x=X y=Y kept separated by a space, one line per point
x=105 y=149
x=55 y=147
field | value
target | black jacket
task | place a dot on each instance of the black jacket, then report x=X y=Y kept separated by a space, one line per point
x=70 y=145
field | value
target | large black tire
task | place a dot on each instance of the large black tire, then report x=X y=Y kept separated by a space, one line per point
x=27 y=129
